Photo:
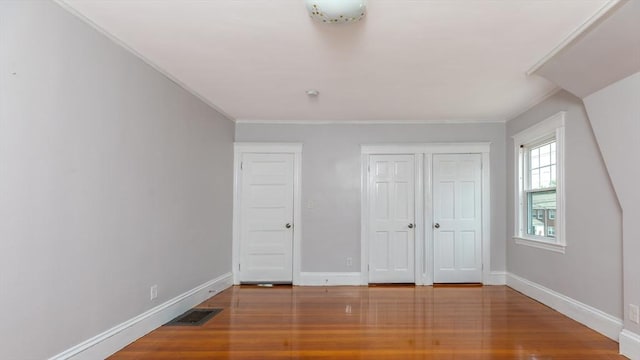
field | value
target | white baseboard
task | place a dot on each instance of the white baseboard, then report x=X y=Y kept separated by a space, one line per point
x=330 y=278
x=355 y=279
x=496 y=278
x=608 y=325
x=630 y=344
x=114 y=339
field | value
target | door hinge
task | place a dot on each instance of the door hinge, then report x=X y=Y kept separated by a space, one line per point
x=238 y=267
x=240 y=165
x=368 y=267
x=368 y=168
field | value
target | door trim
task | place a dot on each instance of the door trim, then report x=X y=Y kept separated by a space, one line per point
x=240 y=148
x=424 y=202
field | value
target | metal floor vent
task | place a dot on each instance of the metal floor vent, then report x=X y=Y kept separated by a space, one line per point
x=194 y=317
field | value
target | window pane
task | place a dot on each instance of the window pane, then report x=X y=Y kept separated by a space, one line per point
x=541 y=203
x=553 y=175
x=545 y=155
x=535 y=179
x=535 y=158
x=545 y=177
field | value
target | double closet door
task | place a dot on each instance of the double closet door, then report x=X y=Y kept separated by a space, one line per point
x=454 y=223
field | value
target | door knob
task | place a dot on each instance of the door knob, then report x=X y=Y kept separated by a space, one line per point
x=437 y=226
x=288 y=226
x=410 y=226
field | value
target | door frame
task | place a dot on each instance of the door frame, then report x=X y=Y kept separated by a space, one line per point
x=423 y=153
x=240 y=148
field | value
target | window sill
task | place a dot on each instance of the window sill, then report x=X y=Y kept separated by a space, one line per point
x=545 y=245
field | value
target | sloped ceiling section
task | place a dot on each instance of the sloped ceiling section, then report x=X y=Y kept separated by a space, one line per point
x=406 y=61
x=604 y=54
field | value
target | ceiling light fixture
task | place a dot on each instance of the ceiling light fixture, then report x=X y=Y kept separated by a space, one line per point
x=336 y=11
x=313 y=92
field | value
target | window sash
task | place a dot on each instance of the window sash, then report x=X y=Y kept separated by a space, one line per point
x=540 y=190
x=528 y=215
x=525 y=156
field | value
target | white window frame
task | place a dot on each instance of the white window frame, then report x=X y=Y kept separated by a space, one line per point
x=552 y=127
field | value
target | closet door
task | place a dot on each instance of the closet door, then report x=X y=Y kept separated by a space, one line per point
x=392 y=219
x=457 y=218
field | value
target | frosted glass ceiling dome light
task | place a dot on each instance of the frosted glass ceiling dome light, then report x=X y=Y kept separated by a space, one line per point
x=336 y=11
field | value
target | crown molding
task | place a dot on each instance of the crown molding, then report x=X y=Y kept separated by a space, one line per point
x=534 y=103
x=369 y=122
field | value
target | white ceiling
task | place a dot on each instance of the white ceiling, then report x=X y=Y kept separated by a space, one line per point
x=409 y=60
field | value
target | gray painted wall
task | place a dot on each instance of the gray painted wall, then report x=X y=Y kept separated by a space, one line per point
x=590 y=271
x=331 y=181
x=614 y=113
x=112 y=179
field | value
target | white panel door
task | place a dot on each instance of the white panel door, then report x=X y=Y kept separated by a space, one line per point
x=392 y=212
x=266 y=219
x=457 y=218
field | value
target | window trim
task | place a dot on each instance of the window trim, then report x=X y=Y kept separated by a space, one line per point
x=552 y=127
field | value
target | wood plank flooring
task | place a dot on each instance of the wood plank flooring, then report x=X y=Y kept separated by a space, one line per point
x=491 y=322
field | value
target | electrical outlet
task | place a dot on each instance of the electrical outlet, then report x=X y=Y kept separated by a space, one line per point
x=349 y=261
x=634 y=313
x=154 y=292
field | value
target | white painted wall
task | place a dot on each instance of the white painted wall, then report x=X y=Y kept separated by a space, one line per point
x=614 y=112
x=590 y=271
x=112 y=179
x=331 y=173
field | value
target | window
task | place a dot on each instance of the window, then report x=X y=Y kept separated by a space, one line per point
x=538 y=177
x=551 y=231
x=539 y=184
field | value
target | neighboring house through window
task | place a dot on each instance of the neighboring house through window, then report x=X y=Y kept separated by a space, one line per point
x=539 y=207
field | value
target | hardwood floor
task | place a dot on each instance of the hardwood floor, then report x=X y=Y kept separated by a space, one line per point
x=492 y=322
